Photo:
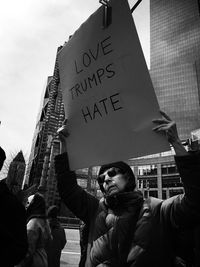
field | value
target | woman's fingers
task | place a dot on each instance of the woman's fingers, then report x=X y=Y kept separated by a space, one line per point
x=163 y=127
x=63 y=131
x=165 y=115
x=160 y=121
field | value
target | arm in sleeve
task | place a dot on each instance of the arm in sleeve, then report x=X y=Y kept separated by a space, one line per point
x=81 y=203
x=184 y=210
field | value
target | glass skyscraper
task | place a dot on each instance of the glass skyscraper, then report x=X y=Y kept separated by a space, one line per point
x=175 y=60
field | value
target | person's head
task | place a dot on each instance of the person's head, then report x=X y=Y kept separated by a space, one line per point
x=116 y=177
x=52 y=212
x=2 y=157
x=36 y=205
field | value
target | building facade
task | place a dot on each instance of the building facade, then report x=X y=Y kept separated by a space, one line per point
x=175 y=57
x=157 y=175
x=45 y=144
x=16 y=172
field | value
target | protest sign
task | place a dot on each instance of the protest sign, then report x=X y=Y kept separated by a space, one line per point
x=107 y=92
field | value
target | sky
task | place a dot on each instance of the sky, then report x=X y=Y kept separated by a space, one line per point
x=30 y=32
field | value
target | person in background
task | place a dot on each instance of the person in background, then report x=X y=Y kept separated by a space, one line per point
x=126 y=230
x=38 y=232
x=55 y=246
x=83 y=232
x=13 y=235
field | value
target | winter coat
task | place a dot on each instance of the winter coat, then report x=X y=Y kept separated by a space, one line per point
x=13 y=235
x=55 y=246
x=156 y=235
x=39 y=235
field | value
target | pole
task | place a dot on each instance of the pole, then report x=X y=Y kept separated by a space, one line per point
x=136 y=4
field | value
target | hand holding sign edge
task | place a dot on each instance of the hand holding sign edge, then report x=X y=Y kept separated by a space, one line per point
x=63 y=133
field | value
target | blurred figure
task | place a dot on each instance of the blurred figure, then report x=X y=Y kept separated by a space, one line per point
x=38 y=232
x=13 y=235
x=83 y=231
x=55 y=246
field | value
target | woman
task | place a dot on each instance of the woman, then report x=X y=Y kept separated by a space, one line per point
x=38 y=232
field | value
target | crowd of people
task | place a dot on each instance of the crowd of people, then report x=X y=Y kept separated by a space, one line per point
x=30 y=235
x=120 y=230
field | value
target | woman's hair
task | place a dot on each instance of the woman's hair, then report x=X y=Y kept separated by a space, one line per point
x=125 y=169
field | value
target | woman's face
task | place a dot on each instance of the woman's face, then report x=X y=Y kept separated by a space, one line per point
x=113 y=181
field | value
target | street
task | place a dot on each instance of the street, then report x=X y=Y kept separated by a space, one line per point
x=71 y=252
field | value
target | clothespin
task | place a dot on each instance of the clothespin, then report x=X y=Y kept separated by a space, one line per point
x=107 y=15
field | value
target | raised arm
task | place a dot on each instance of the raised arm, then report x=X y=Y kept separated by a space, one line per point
x=81 y=203
x=182 y=209
x=166 y=125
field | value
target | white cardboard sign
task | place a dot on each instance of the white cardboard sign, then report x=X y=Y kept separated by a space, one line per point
x=107 y=91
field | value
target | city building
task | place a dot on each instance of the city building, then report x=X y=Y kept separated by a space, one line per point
x=175 y=60
x=45 y=145
x=16 y=172
x=157 y=175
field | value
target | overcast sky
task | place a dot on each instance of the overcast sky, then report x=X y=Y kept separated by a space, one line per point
x=30 y=32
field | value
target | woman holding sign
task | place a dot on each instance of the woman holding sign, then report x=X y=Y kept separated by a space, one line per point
x=125 y=229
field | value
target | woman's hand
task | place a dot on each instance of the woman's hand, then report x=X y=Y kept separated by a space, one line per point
x=165 y=124
x=63 y=133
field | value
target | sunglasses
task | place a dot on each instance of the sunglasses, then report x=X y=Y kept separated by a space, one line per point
x=111 y=173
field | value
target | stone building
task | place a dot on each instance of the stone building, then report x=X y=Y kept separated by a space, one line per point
x=16 y=173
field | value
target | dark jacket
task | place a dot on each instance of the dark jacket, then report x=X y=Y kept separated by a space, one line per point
x=38 y=232
x=55 y=246
x=159 y=227
x=84 y=232
x=13 y=235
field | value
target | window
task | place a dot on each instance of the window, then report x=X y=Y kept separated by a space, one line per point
x=147 y=183
x=147 y=170
x=171 y=182
x=169 y=169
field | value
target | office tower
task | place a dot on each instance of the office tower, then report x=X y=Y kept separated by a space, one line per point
x=175 y=58
x=45 y=144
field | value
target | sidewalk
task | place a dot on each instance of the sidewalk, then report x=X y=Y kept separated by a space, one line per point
x=71 y=253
